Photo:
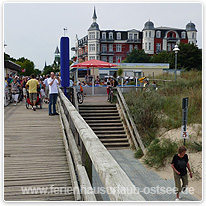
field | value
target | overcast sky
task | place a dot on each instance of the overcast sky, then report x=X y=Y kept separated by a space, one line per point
x=33 y=30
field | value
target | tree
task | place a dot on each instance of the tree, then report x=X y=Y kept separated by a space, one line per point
x=27 y=65
x=190 y=57
x=137 y=56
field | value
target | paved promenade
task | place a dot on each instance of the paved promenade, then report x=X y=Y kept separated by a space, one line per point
x=144 y=178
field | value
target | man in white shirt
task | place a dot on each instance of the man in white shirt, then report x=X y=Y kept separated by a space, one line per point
x=53 y=82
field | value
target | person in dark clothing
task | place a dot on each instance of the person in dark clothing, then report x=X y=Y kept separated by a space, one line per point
x=179 y=165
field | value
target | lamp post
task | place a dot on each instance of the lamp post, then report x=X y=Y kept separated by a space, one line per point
x=176 y=49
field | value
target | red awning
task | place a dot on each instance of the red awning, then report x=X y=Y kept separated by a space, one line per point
x=94 y=63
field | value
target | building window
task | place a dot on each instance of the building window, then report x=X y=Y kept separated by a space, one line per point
x=158 y=46
x=104 y=35
x=193 y=35
x=149 y=33
x=135 y=36
x=97 y=35
x=118 y=36
x=130 y=47
x=146 y=34
x=183 y=35
x=111 y=59
x=118 y=48
x=91 y=35
x=149 y=45
x=158 y=34
x=104 y=48
x=145 y=46
x=91 y=57
x=111 y=47
x=168 y=47
x=130 y=36
x=92 y=47
x=118 y=59
x=97 y=47
x=135 y=47
x=104 y=58
x=110 y=35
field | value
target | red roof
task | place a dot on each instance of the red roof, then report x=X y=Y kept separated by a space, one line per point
x=94 y=63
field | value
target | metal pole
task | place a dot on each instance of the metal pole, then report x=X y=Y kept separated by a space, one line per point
x=175 y=65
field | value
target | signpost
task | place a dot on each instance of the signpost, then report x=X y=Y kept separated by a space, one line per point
x=184 y=134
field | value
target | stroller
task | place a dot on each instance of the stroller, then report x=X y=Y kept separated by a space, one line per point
x=38 y=101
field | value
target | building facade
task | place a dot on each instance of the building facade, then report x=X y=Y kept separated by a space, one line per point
x=114 y=46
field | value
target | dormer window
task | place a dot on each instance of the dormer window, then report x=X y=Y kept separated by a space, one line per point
x=104 y=35
x=110 y=35
x=158 y=34
x=118 y=36
x=130 y=36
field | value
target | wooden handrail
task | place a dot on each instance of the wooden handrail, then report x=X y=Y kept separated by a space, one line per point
x=130 y=122
x=111 y=174
x=82 y=174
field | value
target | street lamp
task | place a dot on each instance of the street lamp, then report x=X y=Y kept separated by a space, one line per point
x=176 y=49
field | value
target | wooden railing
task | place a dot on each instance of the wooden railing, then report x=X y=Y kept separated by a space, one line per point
x=81 y=140
x=129 y=121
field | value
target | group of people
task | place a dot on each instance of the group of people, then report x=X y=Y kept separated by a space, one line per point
x=47 y=86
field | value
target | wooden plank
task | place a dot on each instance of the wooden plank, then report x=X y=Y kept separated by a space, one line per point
x=34 y=155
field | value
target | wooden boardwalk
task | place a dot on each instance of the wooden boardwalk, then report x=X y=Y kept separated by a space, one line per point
x=34 y=156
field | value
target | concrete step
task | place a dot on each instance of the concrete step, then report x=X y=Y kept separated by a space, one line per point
x=99 y=114
x=104 y=121
x=97 y=105
x=110 y=125
x=98 y=111
x=107 y=128
x=107 y=136
x=119 y=140
x=122 y=144
x=97 y=132
x=101 y=118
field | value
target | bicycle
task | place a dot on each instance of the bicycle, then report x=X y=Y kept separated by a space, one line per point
x=80 y=97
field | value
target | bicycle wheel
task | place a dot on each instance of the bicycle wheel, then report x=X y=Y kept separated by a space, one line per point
x=80 y=97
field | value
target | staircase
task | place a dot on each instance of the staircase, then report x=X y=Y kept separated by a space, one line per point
x=107 y=125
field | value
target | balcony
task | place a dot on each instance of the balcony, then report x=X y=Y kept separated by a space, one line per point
x=172 y=39
x=133 y=41
x=85 y=54
x=107 y=52
x=107 y=40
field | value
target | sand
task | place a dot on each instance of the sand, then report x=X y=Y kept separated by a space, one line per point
x=195 y=159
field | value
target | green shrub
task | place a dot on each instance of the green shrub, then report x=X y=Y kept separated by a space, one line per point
x=138 y=154
x=159 y=151
x=193 y=146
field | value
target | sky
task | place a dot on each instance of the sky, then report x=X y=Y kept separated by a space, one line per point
x=33 y=30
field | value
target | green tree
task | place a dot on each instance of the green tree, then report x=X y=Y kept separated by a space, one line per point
x=190 y=57
x=27 y=65
x=47 y=69
x=137 y=56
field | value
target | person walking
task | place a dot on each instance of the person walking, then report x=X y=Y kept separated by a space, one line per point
x=15 y=90
x=46 y=89
x=53 y=82
x=179 y=165
x=32 y=85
